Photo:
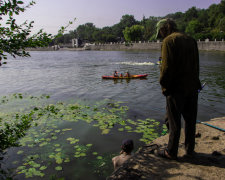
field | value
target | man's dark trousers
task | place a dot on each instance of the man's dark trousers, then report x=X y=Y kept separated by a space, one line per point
x=186 y=105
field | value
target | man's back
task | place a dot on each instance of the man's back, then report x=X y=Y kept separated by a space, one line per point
x=180 y=64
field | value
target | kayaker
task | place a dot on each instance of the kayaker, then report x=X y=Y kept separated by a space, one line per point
x=127 y=74
x=115 y=74
x=121 y=75
x=179 y=80
x=125 y=153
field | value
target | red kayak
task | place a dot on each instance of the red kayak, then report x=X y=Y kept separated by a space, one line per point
x=130 y=77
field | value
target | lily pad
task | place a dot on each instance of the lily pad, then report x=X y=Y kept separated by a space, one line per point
x=67 y=160
x=89 y=145
x=54 y=137
x=59 y=160
x=77 y=155
x=20 y=152
x=82 y=154
x=67 y=129
x=105 y=131
x=99 y=157
x=58 y=149
x=51 y=156
x=121 y=129
x=43 y=168
x=58 y=168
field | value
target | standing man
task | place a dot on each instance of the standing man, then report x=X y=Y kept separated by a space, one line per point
x=179 y=80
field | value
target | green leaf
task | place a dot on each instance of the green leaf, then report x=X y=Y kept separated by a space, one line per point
x=88 y=145
x=59 y=160
x=58 y=149
x=58 y=168
x=51 y=156
x=67 y=160
x=19 y=152
x=105 y=131
x=77 y=155
x=99 y=157
x=43 y=144
x=43 y=168
x=83 y=154
x=19 y=2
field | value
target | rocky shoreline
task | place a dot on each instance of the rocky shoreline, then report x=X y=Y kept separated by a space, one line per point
x=207 y=164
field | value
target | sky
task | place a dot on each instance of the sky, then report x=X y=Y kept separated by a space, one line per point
x=50 y=15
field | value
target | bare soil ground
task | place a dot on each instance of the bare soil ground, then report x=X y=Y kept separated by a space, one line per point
x=207 y=164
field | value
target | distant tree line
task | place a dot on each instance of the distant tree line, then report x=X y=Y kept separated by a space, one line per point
x=199 y=23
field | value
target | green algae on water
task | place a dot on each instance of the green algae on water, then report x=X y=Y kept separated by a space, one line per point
x=41 y=132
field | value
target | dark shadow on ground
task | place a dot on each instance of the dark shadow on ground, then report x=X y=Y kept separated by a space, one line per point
x=204 y=160
x=146 y=165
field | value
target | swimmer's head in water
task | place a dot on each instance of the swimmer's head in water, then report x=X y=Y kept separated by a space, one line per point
x=127 y=145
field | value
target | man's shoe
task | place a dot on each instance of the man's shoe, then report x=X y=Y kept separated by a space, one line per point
x=164 y=154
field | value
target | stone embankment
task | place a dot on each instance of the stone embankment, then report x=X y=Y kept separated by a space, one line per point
x=202 y=45
x=207 y=164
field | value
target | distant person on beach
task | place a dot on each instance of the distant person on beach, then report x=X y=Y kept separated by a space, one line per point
x=125 y=153
x=179 y=80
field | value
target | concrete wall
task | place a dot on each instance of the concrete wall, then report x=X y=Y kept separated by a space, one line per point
x=123 y=46
x=211 y=45
x=202 y=45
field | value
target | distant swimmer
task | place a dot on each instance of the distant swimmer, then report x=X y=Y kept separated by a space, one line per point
x=159 y=62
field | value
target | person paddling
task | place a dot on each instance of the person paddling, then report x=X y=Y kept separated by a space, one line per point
x=127 y=74
x=115 y=74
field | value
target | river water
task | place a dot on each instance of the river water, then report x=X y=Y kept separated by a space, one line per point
x=66 y=75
